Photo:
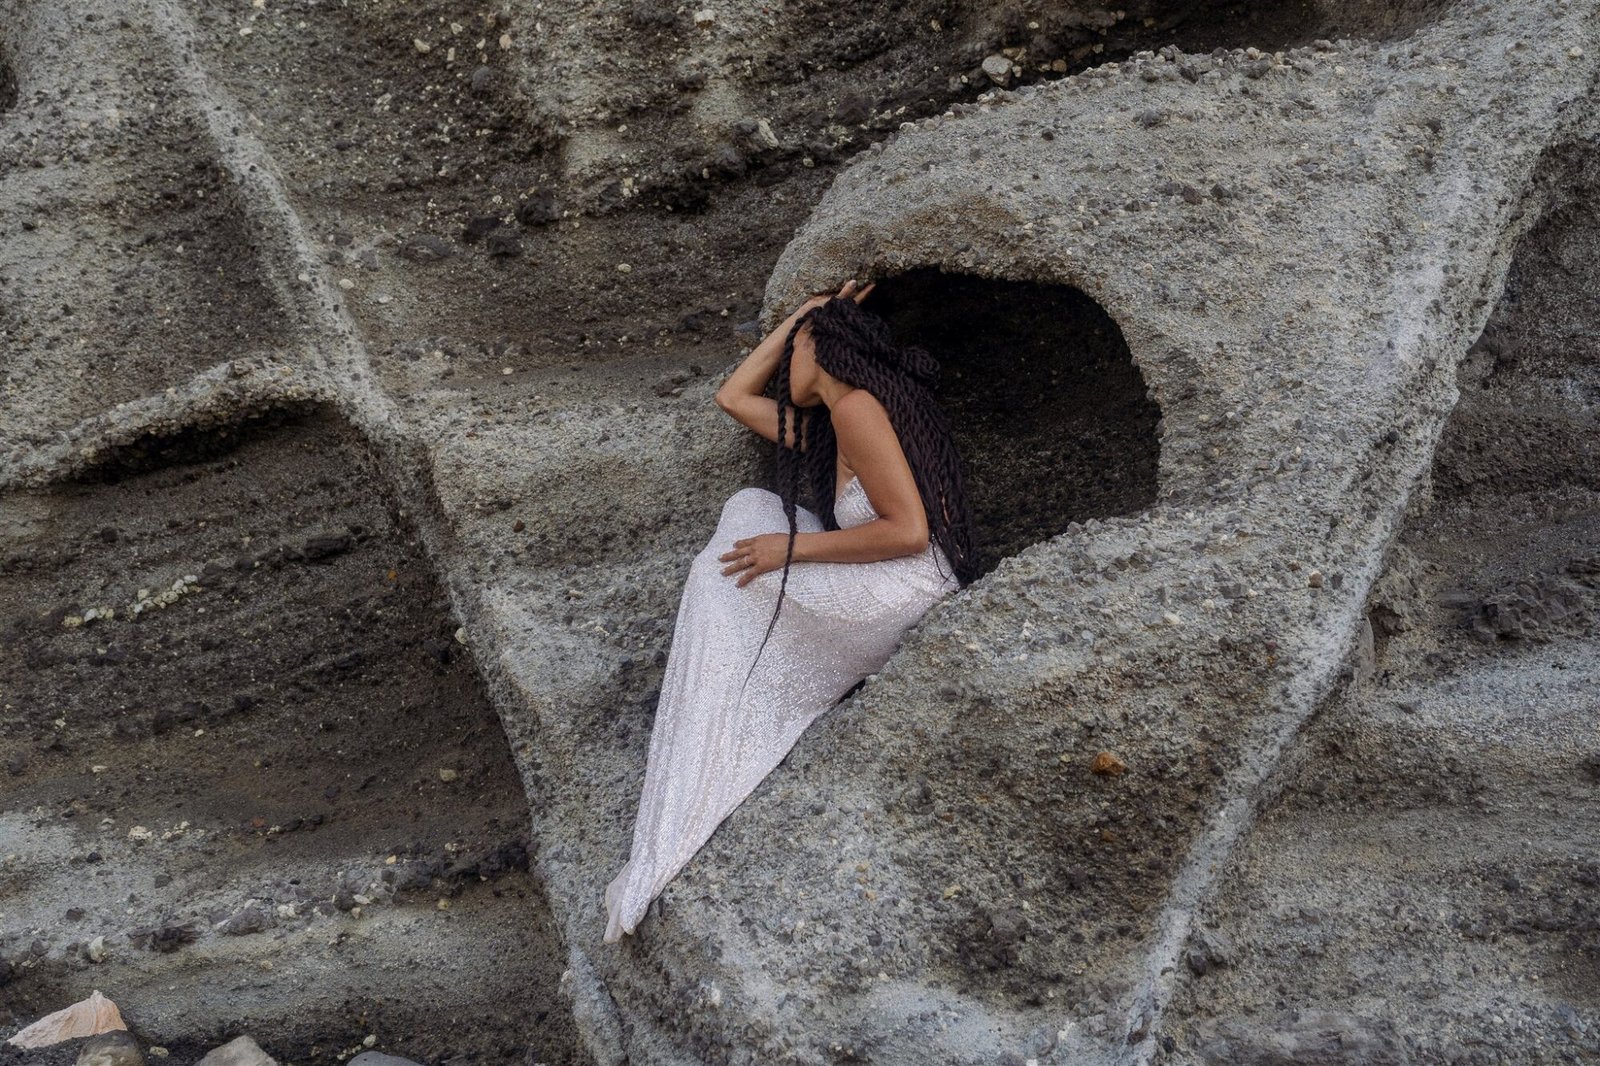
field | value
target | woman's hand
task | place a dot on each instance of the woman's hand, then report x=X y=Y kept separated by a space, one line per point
x=754 y=556
x=847 y=291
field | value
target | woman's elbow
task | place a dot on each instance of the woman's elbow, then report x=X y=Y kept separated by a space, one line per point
x=914 y=541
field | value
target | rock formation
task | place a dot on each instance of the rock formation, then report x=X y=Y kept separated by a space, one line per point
x=1273 y=350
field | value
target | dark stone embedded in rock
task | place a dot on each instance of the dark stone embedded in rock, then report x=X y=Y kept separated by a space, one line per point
x=325 y=546
x=426 y=248
x=1214 y=946
x=164 y=939
x=697 y=321
x=918 y=798
x=479 y=227
x=503 y=242
x=727 y=162
x=539 y=209
x=253 y=917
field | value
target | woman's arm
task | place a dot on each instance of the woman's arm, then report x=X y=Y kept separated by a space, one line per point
x=865 y=435
x=741 y=396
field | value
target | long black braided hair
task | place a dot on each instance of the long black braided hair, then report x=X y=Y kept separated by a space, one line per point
x=854 y=345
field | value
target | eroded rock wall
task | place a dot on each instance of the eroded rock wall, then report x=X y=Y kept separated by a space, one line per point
x=421 y=218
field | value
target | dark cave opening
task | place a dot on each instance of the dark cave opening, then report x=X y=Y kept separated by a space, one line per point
x=1052 y=417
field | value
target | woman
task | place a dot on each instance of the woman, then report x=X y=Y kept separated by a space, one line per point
x=890 y=537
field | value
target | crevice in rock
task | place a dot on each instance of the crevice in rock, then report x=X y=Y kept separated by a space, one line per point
x=1513 y=518
x=243 y=745
x=1052 y=417
x=193 y=444
x=8 y=82
x=1529 y=387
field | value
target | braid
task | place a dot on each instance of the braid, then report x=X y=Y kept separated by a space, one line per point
x=854 y=345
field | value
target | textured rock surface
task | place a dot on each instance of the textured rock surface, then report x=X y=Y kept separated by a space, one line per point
x=1300 y=250
x=1298 y=322
x=1433 y=830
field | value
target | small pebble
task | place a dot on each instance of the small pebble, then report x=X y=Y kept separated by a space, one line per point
x=241 y=1051
x=1107 y=763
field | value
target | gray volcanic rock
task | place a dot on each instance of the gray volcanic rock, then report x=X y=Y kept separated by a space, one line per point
x=1299 y=326
x=1274 y=368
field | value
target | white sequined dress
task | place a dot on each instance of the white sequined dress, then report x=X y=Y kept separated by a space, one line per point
x=708 y=750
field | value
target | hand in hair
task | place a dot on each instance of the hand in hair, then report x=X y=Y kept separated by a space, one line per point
x=741 y=395
x=848 y=290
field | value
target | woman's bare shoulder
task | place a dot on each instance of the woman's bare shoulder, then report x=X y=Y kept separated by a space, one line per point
x=862 y=426
x=859 y=404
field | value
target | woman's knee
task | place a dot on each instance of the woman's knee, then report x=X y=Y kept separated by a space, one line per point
x=752 y=493
x=744 y=501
